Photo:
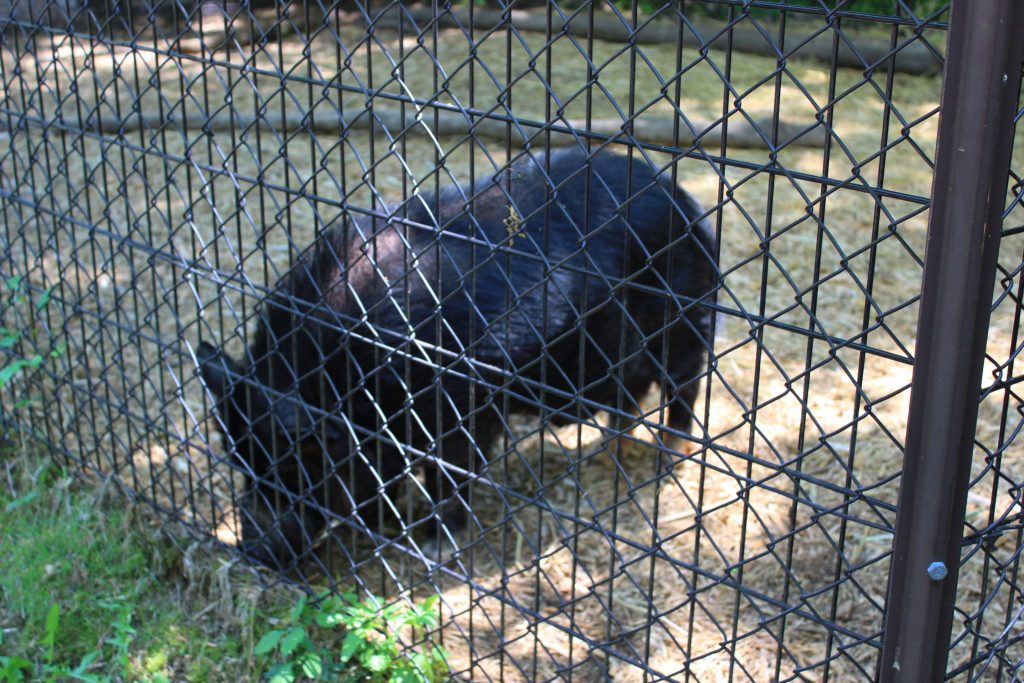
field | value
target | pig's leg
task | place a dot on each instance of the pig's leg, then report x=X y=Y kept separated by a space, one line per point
x=690 y=340
x=446 y=481
x=686 y=365
x=447 y=524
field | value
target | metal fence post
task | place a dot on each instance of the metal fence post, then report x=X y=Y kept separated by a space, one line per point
x=979 y=98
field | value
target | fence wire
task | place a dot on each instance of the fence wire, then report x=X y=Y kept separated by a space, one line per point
x=594 y=319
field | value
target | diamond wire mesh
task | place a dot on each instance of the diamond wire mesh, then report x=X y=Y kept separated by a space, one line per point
x=167 y=165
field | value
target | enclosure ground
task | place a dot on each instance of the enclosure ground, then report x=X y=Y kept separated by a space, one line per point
x=761 y=549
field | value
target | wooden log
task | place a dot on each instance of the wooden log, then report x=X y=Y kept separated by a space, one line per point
x=865 y=53
x=647 y=130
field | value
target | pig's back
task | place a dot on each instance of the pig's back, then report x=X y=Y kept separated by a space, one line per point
x=523 y=266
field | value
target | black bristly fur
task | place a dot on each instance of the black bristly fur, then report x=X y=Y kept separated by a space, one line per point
x=364 y=361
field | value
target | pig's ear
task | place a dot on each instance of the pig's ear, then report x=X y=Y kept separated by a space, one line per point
x=217 y=369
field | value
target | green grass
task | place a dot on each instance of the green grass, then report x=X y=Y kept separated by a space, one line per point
x=91 y=589
x=126 y=600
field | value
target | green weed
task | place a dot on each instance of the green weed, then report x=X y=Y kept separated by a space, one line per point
x=12 y=338
x=24 y=346
x=92 y=590
x=15 y=669
x=369 y=651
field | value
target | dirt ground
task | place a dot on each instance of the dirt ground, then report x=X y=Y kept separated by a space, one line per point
x=738 y=558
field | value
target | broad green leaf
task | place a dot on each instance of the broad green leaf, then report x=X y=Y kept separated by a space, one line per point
x=268 y=642
x=406 y=674
x=50 y=630
x=52 y=621
x=81 y=676
x=350 y=646
x=353 y=618
x=8 y=372
x=436 y=660
x=423 y=662
x=297 y=610
x=312 y=665
x=377 y=662
x=328 y=619
x=18 y=502
x=17 y=662
x=14 y=282
x=43 y=299
x=291 y=640
x=79 y=671
x=282 y=673
x=420 y=616
x=8 y=340
x=12 y=668
x=389 y=645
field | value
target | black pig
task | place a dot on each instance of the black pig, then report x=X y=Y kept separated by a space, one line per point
x=396 y=344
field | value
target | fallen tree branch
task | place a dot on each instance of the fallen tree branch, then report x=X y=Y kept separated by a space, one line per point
x=913 y=57
x=654 y=131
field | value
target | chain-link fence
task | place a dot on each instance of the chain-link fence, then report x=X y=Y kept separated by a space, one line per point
x=596 y=320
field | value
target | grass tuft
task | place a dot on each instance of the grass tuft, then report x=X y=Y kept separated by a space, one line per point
x=92 y=589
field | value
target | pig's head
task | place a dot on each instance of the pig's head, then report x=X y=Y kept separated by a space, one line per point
x=287 y=455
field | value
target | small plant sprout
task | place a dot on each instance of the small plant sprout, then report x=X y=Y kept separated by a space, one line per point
x=369 y=651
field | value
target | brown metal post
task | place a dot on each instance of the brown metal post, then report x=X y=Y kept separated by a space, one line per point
x=979 y=99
